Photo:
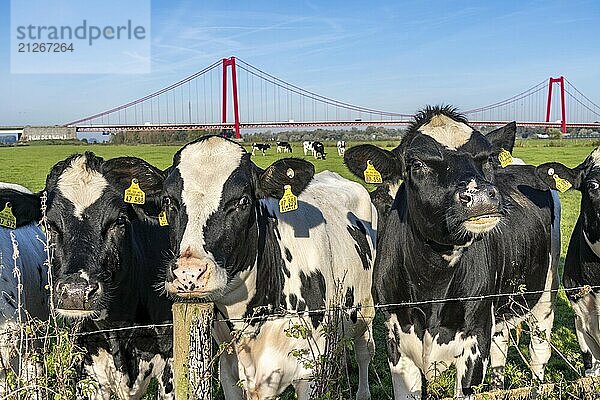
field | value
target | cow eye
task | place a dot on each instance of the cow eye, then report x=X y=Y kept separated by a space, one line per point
x=417 y=164
x=243 y=203
x=166 y=202
x=593 y=185
x=122 y=220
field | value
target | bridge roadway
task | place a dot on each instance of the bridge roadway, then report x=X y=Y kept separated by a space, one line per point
x=301 y=124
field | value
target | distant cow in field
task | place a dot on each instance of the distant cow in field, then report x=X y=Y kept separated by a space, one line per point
x=308 y=147
x=26 y=242
x=108 y=254
x=582 y=264
x=260 y=147
x=341 y=147
x=464 y=223
x=233 y=245
x=319 y=150
x=284 y=147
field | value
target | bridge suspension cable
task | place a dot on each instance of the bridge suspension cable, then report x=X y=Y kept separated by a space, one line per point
x=262 y=100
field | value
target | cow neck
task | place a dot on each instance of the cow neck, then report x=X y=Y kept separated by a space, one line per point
x=260 y=289
x=431 y=261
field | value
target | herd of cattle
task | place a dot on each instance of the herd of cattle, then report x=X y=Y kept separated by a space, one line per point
x=455 y=228
x=317 y=149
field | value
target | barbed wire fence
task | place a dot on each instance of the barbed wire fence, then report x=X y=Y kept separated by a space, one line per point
x=41 y=359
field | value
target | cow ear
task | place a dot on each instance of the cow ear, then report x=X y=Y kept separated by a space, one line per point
x=25 y=207
x=556 y=175
x=123 y=172
x=360 y=158
x=294 y=172
x=503 y=138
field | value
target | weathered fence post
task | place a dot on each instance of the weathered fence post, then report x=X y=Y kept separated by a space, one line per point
x=192 y=350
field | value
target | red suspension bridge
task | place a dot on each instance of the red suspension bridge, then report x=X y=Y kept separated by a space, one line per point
x=260 y=100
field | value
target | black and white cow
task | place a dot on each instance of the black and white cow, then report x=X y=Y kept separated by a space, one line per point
x=262 y=147
x=22 y=264
x=319 y=150
x=308 y=147
x=284 y=147
x=233 y=246
x=582 y=263
x=460 y=226
x=341 y=147
x=108 y=257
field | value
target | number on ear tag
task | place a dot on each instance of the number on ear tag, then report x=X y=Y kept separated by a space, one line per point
x=505 y=158
x=7 y=218
x=562 y=185
x=134 y=194
x=162 y=219
x=289 y=201
x=371 y=174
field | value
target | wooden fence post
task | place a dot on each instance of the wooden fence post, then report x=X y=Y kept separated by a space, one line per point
x=192 y=350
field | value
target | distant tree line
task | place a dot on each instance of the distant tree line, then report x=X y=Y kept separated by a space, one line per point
x=158 y=136
x=353 y=134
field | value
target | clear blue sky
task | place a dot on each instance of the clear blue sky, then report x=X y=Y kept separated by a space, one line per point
x=390 y=55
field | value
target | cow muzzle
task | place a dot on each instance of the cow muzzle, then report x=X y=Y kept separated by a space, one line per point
x=78 y=297
x=481 y=206
x=192 y=277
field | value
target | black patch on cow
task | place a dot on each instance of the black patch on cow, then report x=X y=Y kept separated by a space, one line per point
x=349 y=298
x=361 y=245
x=167 y=379
x=349 y=302
x=587 y=360
x=230 y=233
x=312 y=290
x=270 y=268
x=293 y=301
x=392 y=346
x=288 y=255
x=301 y=305
x=149 y=371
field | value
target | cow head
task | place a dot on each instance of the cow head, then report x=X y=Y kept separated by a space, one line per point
x=90 y=226
x=586 y=178
x=212 y=199
x=448 y=172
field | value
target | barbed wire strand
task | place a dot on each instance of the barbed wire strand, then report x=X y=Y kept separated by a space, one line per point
x=282 y=314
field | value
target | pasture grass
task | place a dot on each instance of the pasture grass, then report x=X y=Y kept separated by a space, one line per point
x=28 y=166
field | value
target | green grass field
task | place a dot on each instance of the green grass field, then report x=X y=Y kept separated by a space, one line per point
x=28 y=166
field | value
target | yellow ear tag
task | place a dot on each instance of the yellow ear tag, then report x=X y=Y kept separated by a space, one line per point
x=371 y=174
x=7 y=218
x=162 y=219
x=289 y=201
x=562 y=185
x=134 y=194
x=505 y=158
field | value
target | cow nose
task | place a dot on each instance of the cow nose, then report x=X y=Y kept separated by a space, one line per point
x=479 y=199
x=78 y=294
x=187 y=277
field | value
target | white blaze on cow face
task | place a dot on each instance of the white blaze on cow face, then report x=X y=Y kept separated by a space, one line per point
x=81 y=186
x=596 y=156
x=446 y=131
x=204 y=167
